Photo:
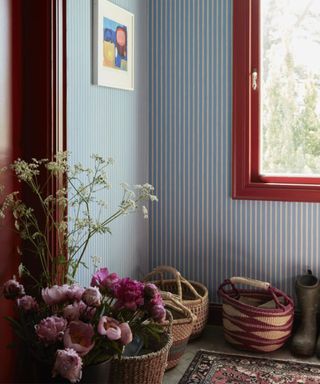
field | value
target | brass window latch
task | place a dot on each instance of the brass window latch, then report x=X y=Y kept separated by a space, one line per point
x=254 y=80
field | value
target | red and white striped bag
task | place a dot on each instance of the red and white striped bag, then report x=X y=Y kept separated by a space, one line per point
x=257 y=320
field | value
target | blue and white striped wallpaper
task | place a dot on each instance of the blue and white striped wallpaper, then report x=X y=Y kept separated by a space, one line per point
x=196 y=226
x=112 y=123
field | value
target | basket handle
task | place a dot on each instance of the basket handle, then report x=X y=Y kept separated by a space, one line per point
x=172 y=302
x=179 y=279
x=168 y=322
x=253 y=283
x=160 y=271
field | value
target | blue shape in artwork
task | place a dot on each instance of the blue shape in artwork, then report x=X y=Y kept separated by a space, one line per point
x=109 y=35
x=110 y=28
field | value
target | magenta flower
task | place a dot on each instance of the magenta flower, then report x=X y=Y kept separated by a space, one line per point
x=75 y=292
x=57 y=294
x=130 y=294
x=74 y=311
x=105 y=280
x=150 y=290
x=68 y=364
x=158 y=313
x=126 y=333
x=27 y=303
x=51 y=329
x=156 y=300
x=12 y=289
x=92 y=297
x=99 y=277
x=79 y=336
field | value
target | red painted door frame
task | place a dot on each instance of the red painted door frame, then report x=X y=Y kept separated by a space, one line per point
x=36 y=123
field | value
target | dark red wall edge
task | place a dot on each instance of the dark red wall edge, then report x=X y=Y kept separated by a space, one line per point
x=37 y=37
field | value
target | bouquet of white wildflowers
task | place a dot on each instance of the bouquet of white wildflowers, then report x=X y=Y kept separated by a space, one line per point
x=67 y=212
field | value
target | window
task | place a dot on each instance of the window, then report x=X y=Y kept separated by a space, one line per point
x=276 y=100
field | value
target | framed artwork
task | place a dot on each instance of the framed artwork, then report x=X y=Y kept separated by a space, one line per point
x=113 y=45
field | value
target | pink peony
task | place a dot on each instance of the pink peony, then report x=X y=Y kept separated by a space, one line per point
x=92 y=297
x=156 y=300
x=68 y=364
x=12 y=289
x=109 y=327
x=51 y=329
x=79 y=336
x=150 y=290
x=74 y=311
x=158 y=313
x=130 y=294
x=105 y=280
x=57 y=294
x=75 y=292
x=27 y=303
x=126 y=333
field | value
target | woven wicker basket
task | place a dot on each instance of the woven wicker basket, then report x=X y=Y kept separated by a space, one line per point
x=258 y=320
x=145 y=368
x=182 y=326
x=191 y=294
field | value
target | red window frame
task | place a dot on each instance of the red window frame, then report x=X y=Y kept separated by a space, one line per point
x=247 y=183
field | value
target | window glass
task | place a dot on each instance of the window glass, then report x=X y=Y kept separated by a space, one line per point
x=290 y=88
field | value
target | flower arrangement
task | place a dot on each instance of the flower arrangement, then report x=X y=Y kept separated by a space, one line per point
x=72 y=327
x=65 y=326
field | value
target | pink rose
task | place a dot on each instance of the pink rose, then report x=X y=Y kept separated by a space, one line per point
x=74 y=311
x=27 y=303
x=130 y=294
x=92 y=297
x=68 y=364
x=51 y=329
x=158 y=313
x=57 y=294
x=109 y=327
x=75 y=292
x=12 y=289
x=79 y=336
x=126 y=333
x=104 y=280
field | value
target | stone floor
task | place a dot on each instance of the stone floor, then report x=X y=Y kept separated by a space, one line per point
x=212 y=339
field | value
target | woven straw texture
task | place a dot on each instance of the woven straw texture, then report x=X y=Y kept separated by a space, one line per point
x=182 y=326
x=249 y=325
x=144 y=369
x=191 y=294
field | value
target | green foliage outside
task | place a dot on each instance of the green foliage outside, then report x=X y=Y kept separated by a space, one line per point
x=290 y=88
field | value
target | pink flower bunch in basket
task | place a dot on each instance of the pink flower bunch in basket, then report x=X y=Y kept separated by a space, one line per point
x=71 y=327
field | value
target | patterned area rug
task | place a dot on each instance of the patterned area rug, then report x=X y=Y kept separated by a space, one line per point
x=211 y=367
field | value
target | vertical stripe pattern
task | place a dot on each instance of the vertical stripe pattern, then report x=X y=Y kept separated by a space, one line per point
x=112 y=123
x=196 y=226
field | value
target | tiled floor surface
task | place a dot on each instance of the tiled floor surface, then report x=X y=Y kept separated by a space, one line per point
x=212 y=339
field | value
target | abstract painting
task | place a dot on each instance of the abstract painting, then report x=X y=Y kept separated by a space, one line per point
x=113 y=44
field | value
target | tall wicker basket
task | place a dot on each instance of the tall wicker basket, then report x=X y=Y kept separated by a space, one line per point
x=182 y=326
x=256 y=319
x=191 y=294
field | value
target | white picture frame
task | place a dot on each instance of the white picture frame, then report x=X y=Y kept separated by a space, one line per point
x=113 y=46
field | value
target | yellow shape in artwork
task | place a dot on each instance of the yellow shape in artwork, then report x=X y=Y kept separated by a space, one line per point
x=108 y=54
